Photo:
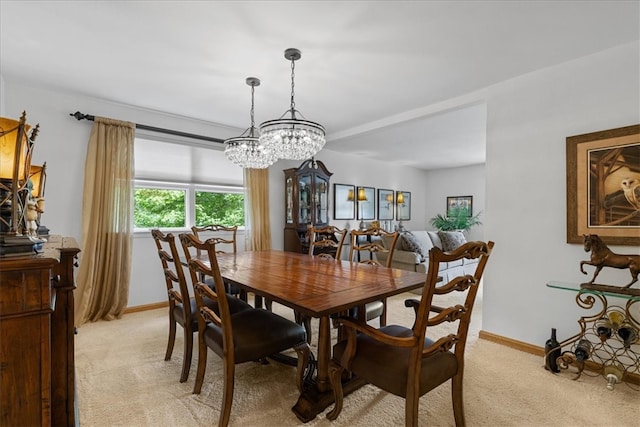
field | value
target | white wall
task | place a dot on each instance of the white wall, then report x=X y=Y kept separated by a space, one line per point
x=463 y=181
x=529 y=119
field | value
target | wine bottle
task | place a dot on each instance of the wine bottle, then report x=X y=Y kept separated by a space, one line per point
x=552 y=352
x=613 y=373
x=616 y=318
x=583 y=349
x=628 y=334
x=603 y=329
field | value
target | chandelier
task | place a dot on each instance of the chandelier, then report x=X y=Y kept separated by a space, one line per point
x=292 y=138
x=246 y=150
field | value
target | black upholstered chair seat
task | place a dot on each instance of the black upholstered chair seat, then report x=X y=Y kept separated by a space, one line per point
x=235 y=305
x=257 y=333
x=391 y=364
x=232 y=289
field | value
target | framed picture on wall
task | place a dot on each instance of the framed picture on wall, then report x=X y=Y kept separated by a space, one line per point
x=344 y=205
x=603 y=186
x=403 y=205
x=459 y=202
x=385 y=204
x=366 y=203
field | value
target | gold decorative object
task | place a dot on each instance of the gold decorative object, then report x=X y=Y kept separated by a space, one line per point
x=16 y=146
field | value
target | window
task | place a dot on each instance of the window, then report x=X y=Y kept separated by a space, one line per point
x=159 y=208
x=219 y=208
x=182 y=205
x=169 y=192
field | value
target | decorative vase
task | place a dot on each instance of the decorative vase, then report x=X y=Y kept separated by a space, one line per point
x=552 y=352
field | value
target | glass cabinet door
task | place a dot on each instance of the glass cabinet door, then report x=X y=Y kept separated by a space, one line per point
x=304 y=199
x=322 y=200
x=289 y=202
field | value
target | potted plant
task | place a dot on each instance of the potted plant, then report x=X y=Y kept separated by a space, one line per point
x=459 y=219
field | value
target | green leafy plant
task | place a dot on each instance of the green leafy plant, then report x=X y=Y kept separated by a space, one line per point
x=458 y=219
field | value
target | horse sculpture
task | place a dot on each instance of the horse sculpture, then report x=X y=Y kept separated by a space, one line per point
x=602 y=256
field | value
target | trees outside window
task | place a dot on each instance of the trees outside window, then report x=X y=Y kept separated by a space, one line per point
x=219 y=208
x=176 y=205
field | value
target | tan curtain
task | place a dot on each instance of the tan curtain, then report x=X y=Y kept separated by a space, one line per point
x=103 y=275
x=258 y=227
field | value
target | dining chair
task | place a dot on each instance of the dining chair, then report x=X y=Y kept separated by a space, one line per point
x=403 y=361
x=327 y=241
x=373 y=241
x=324 y=242
x=250 y=335
x=216 y=230
x=226 y=243
x=182 y=305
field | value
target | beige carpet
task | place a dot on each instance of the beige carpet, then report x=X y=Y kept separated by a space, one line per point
x=122 y=380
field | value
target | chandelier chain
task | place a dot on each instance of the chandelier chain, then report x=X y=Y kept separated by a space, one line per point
x=253 y=88
x=293 y=74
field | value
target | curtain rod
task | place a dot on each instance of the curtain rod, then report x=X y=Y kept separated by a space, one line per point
x=80 y=116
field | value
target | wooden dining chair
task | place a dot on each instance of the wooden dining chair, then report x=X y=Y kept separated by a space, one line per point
x=403 y=361
x=324 y=242
x=226 y=242
x=182 y=305
x=250 y=335
x=327 y=241
x=373 y=241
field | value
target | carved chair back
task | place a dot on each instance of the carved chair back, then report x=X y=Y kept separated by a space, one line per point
x=403 y=361
x=323 y=238
x=371 y=240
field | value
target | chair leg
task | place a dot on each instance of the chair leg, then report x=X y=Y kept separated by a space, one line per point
x=227 y=394
x=186 y=357
x=202 y=364
x=172 y=337
x=383 y=316
x=335 y=376
x=303 y=351
x=456 y=397
x=411 y=409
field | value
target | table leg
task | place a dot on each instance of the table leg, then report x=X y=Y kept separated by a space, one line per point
x=319 y=396
x=324 y=354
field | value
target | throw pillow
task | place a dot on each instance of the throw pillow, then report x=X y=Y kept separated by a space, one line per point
x=451 y=240
x=411 y=244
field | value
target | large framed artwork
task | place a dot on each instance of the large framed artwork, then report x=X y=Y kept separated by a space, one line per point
x=403 y=205
x=366 y=199
x=458 y=203
x=344 y=205
x=603 y=186
x=385 y=204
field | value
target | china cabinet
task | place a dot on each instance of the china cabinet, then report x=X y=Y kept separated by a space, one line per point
x=306 y=202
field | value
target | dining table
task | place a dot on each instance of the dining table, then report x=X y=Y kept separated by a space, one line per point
x=320 y=288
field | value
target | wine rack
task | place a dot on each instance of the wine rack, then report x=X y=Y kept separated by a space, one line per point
x=608 y=342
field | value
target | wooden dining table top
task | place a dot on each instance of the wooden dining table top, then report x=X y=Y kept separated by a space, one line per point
x=314 y=286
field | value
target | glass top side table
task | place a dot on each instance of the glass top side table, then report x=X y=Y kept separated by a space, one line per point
x=608 y=341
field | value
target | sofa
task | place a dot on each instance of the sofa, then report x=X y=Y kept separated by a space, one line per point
x=412 y=252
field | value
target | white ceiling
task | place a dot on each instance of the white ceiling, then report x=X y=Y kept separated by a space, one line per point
x=388 y=79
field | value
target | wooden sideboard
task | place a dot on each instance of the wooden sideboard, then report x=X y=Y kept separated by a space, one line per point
x=37 y=385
